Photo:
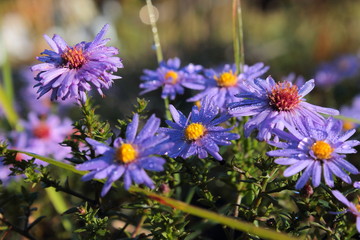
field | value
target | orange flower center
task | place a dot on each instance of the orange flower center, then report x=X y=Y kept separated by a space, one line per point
x=126 y=153
x=226 y=79
x=74 y=57
x=173 y=76
x=194 y=131
x=322 y=150
x=41 y=131
x=284 y=96
x=347 y=125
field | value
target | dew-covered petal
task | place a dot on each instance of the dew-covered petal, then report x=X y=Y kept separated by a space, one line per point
x=99 y=147
x=114 y=175
x=316 y=174
x=153 y=163
x=297 y=167
x=304 y=177
x=132 y=129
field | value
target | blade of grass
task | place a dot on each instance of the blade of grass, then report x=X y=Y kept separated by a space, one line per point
x=354 y=120
x=8 y=81
x=196 y=211
x=59 y=204
x=8 y=108
x=51 y=161
x=215 y=217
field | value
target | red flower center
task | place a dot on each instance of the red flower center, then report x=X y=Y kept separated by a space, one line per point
x=42 y=131
x=74 y=57
x=284 y=96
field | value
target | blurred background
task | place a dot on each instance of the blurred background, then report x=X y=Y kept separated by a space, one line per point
x=290 y=36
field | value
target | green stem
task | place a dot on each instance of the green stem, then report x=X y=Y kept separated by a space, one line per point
x=190 y=195
x=238 y=36
x=167 y=109
x=138 y=227
x=262 y=189
x=154 y=30
x=159 y=55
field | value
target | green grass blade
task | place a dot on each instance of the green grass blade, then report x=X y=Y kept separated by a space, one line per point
x=8 y=81
x=8 y=108
x=59 y=204
x=354 y=120
x=215 y=217
x=196 y=211
x=52 y=162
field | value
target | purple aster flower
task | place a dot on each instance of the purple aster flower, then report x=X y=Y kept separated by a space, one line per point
x=172 y=78
x=348 y=66
x=42 y=106
x=352 y=112
x=70 y=71
x=330 y=73
x=5 y=172
x=43 y=136
x=129 y=157
x=199 y=133
x=316 y=148
x=327 y=76
x=296 y=80
x=354 y=209
x=223 y=85
x=274 y=104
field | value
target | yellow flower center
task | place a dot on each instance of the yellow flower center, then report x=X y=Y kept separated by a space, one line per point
x=126 y=153
x=358 y=207
x=322 y=150
x=74 y=57
x=227 y=79
x=173 y=76
x=194 y=131
x=347 y=125
x=198 y=104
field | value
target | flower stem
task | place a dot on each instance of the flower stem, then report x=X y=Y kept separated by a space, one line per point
x=154 y=30
x=157 y=45
x=238 y=36
x=167 y=110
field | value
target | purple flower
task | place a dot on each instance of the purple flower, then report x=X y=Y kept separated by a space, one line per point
x=43 y=136
x=348 y=66
x=330 y=73
x=172 y=78
x=354 y=209
x=295 y=80
x=351 y=112
x=223 y=85
x=5 y=172
x=129 y=157
x=42 y=106
x=316 y=147
x=199 y=133
x=327 y=76
x=274 y=104
x=70 y=71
